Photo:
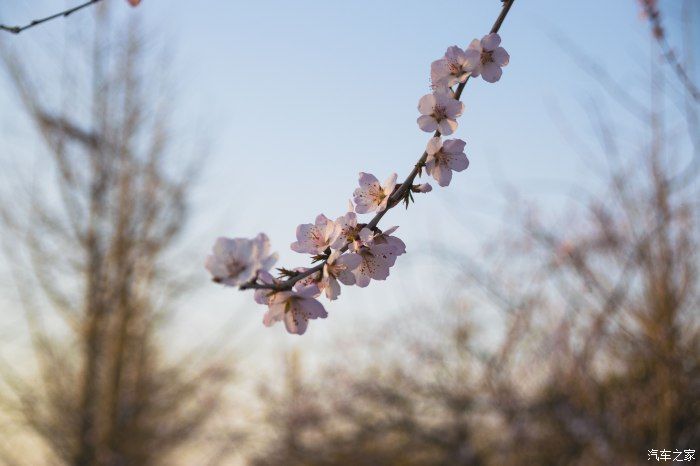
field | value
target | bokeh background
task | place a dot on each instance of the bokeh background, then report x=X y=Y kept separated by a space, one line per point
x=546 y=312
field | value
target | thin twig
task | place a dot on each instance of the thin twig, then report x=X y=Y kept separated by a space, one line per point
x=660 y=35
x=36 y=22
x=394 y=199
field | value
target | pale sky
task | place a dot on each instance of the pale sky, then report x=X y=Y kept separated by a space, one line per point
x=301 y=96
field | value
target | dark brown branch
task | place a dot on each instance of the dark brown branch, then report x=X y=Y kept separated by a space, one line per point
x=36 y=22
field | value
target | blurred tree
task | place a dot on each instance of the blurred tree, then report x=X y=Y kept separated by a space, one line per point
x=621 y=282
x=413 y=401
x=95 y=240
x=599 y=357
x=599 y=360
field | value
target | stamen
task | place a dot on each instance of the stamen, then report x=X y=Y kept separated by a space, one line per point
x=439 y=112
x=234 y=268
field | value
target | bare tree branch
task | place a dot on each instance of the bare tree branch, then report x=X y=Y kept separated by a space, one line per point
x=36 y=22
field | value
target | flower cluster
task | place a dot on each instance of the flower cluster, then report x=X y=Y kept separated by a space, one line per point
x=349 y=251
x=483 y=57
x=238 y=260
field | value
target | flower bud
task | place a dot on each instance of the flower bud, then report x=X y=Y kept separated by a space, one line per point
x=421 y=188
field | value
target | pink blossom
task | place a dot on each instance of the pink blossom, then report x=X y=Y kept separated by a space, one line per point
x=372 y=196
x=264 y=296
x=375 y=263
x=378 y=251
x=486 y=58
x=445 y=157
x=453 y=68
x=312 y=279
x=315 y=238
x=439 y=111
x=265 y=258
x=369 y=238
x=237 y=260
x=338 y=268
x=296 y=308
x=346 y=230
x=386 y=238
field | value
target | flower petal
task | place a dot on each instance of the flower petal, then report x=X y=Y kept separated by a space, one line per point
x=427 y=123
x=389 y=184
x=455 y=54
x=472 y=59
x=491 y=72
x=304 y=242
x=274 y=314
x=453 y=146
x=426 y=104
x=447 y=126
x=333 y=289
x=269 y=261
x=500 y=56
x=434 y=146
x=367 y=180
x=390 y=230
x=475 y=45
x=295 y=323
x=442 y=174
x=490 y=41
x=458 y=162
x=366 y=235
x=350 y=260
x=454 y=108
x=439 y=70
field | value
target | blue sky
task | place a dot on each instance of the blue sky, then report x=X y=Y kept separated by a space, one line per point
x=301 y=96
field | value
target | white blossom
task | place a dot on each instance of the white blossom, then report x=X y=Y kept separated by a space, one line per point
x=486 y=58
x=444 y=157
x=235 y=261
x=372 y=196
x=309 y=280
x=346 y=230
x=296 y=308
x=439 y=111
x=453 y=68
x=374 y=265
x=378 y=252
x=337 y=268
x=315 y=238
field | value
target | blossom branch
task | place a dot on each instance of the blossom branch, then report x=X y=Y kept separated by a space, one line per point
x=406 y=185
x=395 y=198
x=348 y=251
x=287 y=284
